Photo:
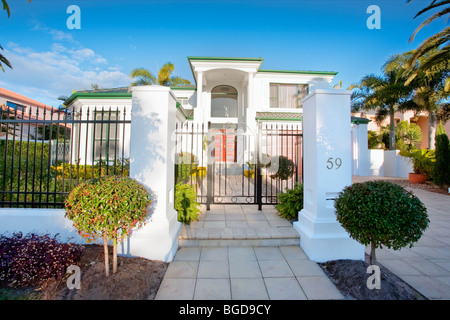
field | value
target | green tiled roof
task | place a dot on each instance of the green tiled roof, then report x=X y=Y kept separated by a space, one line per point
x=274 y=115
x=187 y=113
x=359 y=120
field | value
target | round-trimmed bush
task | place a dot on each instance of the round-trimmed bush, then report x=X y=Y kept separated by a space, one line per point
x=381 y=213
x=282 y=167
x=109 y=208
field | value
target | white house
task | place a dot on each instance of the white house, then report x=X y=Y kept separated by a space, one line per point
x=230 y=94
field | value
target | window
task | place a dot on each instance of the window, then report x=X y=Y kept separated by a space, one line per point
x=183 y=101
x=16 y=106
x=224 y=102
x=287 y=95
x=106 y=136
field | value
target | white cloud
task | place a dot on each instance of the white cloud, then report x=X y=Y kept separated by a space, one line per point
x=46 y=75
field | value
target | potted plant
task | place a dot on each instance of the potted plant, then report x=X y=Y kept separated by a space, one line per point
x=423 y=161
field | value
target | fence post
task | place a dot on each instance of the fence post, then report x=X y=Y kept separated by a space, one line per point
x=327 y=170
x=258 y=174
x=209 y=169
x=152 y=149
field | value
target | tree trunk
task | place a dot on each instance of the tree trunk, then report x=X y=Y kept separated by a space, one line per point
x=391 y=129
x=372 y=257
x=114 y=256
x=431 y=129
x=105 y=250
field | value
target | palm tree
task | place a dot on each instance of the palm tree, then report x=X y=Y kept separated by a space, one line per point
x=439 y=43
x=145 y=77
x=384 y=93
x=429 y=91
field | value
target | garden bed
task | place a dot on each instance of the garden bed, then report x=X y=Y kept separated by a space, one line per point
x=350 y=278
x=136 y=279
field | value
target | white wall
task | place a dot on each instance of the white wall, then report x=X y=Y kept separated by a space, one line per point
x=388 y=163
x=360 y=150
x=40 y=221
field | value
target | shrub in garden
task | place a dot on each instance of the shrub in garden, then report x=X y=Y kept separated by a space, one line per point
x=108 y=208
x=290 y=202
x=441 y=172
x=380 y=213
x=185 y=164
x=282 y=167
x=32 y=259
x=186 y=203
x=99 y=169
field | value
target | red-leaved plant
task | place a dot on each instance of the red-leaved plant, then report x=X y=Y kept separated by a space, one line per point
x=33 y=259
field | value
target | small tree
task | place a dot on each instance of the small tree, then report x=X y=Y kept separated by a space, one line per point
x=108 y=208
x=380 y=213
x=442 y=165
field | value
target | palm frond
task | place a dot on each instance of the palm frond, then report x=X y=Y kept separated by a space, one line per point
x=6 y=7
x=5 y=61
x=164 y=73
x=428 y=21
x=432 y=5
x=145 y=77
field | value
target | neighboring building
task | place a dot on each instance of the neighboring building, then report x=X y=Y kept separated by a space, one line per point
x=21 y=107
x=26 y=106
x=420 y=119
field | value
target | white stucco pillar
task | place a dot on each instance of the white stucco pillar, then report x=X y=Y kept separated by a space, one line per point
x=361 y=161
x=199 y=112
x=250 y=91
x=327 y=170
x=151 y=163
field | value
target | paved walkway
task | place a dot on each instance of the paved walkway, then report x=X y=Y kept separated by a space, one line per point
x=240 y=253
x=426 y=266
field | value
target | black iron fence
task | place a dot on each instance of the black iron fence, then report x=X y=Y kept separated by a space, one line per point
x=225 y=164
x=44 y=153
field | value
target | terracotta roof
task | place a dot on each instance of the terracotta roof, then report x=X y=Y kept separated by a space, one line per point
x=20 y=115
x=23 y=99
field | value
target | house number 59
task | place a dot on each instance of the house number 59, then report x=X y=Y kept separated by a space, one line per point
x=331 y=163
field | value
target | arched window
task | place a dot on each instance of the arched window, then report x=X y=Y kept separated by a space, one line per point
x=224 y=102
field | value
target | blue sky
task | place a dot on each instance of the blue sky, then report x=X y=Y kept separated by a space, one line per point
x=50 y=60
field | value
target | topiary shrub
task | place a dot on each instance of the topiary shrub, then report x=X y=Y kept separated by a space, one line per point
x=290 y=202
x=31 y=259
x=186 y=203
x=380 y=213
x=282 y=167
x=441 y=172
x=108 y=208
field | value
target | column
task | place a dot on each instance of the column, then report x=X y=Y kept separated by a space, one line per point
x=327 y=170
x=152 y=164
x=199 y=111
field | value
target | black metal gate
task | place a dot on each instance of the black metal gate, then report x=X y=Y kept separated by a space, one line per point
x=227 y=165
